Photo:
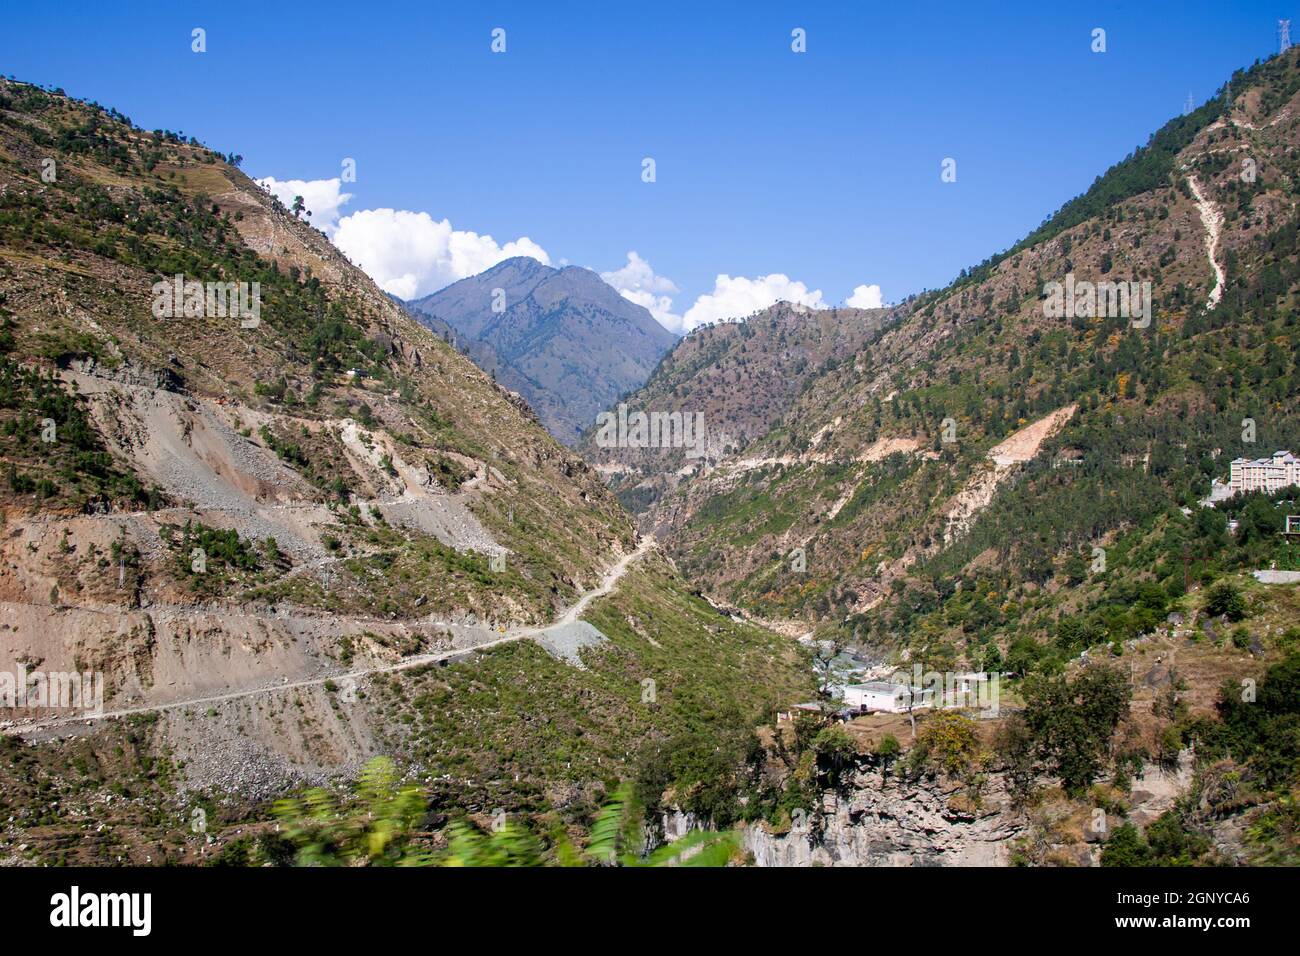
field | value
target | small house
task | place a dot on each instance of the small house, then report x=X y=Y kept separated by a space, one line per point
x=887 y=697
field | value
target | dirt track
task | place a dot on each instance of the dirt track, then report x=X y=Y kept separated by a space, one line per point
x=49 y=727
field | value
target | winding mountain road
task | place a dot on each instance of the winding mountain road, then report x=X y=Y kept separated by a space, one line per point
x=571 y=615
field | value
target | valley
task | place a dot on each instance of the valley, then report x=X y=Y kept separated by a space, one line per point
x=534 y=570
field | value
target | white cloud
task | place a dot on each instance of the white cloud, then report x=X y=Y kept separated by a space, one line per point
x=660 y=306
x=410 y=254
x=637 y=282
x=865 y=297
x=321 y=196
x=638 y=276
x=738 y=297
x=732 y=298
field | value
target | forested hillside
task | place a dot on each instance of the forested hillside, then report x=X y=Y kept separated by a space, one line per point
x=880 y=470
x=744 y=377
x=1009 y=478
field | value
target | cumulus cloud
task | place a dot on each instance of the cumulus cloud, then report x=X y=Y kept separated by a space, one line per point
x=408 y=254
x=733 y=297
x=411 y=254
x=865 y=297
x=737 y=297
x=638 y=276
x=321 y=196
x=637 y=282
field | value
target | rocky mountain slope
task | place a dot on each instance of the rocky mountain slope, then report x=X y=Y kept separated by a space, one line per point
x=292 y=544
x=291 y=538
x=561 y=338
x=742 y=378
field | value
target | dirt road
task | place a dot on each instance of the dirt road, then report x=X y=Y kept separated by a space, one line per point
x=41 y=728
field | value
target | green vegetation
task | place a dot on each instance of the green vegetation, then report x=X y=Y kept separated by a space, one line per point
x=670 y=701
x=214 y=560
x=1248 y=762
x=1070 y=722
x=947 y=744
x=1226 y=600
x=52 y=449
x=1258 y=728
x=317 y=455
x=1149 y=167
x=378 y=826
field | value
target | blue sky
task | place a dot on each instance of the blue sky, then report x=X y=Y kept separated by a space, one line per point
x=822 y=166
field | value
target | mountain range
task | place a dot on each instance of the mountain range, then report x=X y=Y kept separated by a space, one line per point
x=1007 y=474
x=929 y=442
x=332 y=527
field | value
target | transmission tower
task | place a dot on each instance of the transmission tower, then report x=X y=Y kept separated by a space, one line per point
x=1284 y=35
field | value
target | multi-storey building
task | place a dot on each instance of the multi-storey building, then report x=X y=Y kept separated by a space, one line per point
x=1263 y=474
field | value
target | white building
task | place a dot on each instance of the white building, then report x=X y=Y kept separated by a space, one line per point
x=1263 y=474
x=886 y=696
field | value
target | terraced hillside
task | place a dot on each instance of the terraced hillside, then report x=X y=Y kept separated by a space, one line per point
x=266 y=534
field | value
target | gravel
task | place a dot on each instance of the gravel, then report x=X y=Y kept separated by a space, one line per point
x=564 y=641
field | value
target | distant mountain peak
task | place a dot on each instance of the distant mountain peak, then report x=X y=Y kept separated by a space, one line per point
x=563 y=338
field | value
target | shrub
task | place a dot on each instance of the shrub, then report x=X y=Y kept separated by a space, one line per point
x=888 y=749
x=836 y=753
x=948 y=742
x=1225 y=599
x=1126 y=848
